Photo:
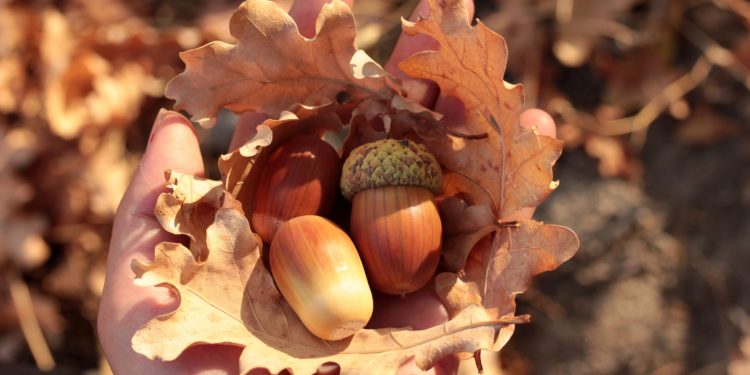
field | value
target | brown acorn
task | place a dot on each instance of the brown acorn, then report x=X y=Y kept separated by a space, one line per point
x=319 y=273
x=395 y=223
x=300 y=178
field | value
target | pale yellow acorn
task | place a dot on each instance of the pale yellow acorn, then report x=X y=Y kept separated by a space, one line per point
x=318 y=271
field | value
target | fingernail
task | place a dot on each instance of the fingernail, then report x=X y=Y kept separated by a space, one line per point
x=163 y=117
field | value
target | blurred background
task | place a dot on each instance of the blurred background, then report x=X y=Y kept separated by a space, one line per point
x=651 y=98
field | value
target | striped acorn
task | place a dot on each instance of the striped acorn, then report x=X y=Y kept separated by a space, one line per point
x=395 y=222
x=300 y=178
x=319 y=273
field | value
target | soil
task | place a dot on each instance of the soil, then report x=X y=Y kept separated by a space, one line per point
x=658 y=284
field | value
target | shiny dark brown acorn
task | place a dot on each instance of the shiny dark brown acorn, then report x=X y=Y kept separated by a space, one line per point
x=300 y=178
x=395 y=223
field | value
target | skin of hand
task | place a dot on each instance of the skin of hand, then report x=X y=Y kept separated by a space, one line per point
x=173 y=144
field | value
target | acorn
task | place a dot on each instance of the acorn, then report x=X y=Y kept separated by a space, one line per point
x=318 y=271
x=394 y=223
x=300 y=178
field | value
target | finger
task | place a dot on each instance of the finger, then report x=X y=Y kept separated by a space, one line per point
x=173 y=145
x=448 y=365
x=424 y=306
x=423 y=91
x=543 y=124
x=305 y=14
x=425 y=311
x=540 y=121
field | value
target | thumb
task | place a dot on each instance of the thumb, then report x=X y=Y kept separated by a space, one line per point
x=125 y=307
x=173 y=144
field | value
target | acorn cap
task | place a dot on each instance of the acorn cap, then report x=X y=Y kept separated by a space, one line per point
x=390 y=162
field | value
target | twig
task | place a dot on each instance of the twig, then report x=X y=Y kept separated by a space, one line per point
x=715 y=53
x=32 y=332
x=503 y=321
x=650 y=112
x=508 y=224
x=466 y=136
x=516 y=319
x=668 y=95
x=739 y=7
x=596 y=27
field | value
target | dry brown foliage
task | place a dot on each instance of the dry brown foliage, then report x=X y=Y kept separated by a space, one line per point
x=501 y=168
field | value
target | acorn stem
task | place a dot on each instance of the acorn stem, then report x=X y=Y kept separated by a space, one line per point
x=466 y=136
x=503 y=321
x=508 y=224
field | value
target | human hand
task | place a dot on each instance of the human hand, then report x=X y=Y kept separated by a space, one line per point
x=173 y=144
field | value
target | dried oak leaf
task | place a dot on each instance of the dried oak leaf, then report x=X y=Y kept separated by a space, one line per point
x=234 y=291
x=499 y=269
x=81 y=87
x=463 y=227
x=93 y=92
x=188 y=209
x=509 y=169
x=273 y=67
x=512 y=164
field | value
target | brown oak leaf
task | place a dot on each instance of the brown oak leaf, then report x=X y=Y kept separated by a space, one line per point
x=186 y=210
x=272 y=67
x=496 y=272
x=234 y=291
x=463 y=227
x=512 y=164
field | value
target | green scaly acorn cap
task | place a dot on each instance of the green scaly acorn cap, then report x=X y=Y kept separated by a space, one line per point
x=390 y=162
